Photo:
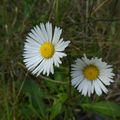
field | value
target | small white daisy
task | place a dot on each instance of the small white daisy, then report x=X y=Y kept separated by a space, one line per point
x=90 y=75
x=43 y=49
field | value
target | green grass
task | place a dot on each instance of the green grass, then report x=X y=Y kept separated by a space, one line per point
x=92 y=26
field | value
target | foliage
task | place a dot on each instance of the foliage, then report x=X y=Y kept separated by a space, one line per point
x=92 y=26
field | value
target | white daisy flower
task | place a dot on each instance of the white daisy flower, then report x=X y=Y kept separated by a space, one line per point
x=90 y=75
x=43 y=49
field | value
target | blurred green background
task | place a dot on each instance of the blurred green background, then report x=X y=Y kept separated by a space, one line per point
x=92 y=26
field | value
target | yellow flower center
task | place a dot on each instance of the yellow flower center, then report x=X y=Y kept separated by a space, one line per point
x=47 y=50
x=91 y=72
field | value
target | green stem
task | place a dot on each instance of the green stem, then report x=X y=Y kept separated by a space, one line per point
x=51 y=80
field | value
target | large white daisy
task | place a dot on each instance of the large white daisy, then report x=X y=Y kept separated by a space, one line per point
x=90 y=75
x=43 y=49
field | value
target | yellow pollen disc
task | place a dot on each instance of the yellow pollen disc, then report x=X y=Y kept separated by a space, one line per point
x=91 y=72
x=47 y=50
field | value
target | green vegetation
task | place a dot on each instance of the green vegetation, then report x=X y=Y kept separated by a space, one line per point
x=92 y=26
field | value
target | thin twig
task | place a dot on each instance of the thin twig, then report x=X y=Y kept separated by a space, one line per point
x=99 y=6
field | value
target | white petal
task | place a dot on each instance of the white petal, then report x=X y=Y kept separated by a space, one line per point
x=85 y=87
x=28 y=47
x=90 y=88
x=56 y=61
x=86 y=60
x=107 y=72
x=32 y=42
x=102 y=86
x=34 y=35
x=97 y=87
x=46 y=66
x=76 y=81
x=76 y=73
x=44 y=32
x=39 y=68
x=32 y=65
x=81 y=85
x=61 y=46
x=56 y=36
x=60 y=54
x=28 y=55
x=80 y=63
x=49 y=30
x=105 y=80
x=57 y=57
x=41 y=34
x=51 y=66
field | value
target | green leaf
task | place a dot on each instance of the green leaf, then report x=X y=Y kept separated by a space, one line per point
x=25 y=112
x=56 y=109
x=36 y=95
x=104 y=108
x=57 y=106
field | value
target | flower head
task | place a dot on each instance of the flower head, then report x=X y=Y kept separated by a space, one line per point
x=90 y=75
x=43 y=49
